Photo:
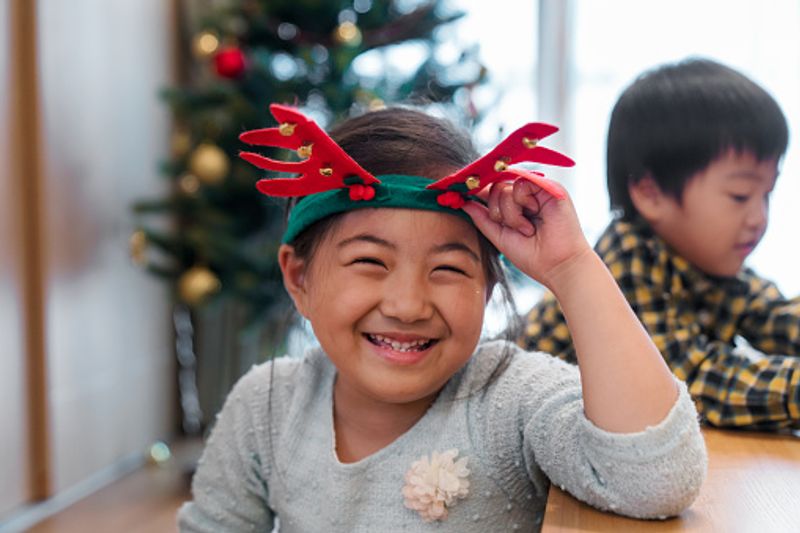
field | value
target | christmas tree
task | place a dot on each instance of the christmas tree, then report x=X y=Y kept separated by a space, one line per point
x=213 y=237
x=244 y=55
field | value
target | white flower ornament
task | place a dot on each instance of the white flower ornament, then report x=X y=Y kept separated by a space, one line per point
x=434 y=486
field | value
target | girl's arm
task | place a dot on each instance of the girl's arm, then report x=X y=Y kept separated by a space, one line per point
x=626 y=384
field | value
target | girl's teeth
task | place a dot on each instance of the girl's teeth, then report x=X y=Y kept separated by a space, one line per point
x=396 y=345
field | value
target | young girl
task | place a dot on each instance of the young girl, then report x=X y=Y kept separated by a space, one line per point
x=401 y=419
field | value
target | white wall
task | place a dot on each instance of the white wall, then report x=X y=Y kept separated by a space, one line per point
x=107 y=322
x=15 y=486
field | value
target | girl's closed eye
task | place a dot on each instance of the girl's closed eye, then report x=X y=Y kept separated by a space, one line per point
x=451 y=269
x=367 y=260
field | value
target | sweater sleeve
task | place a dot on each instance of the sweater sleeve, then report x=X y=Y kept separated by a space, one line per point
x=229 y=487
x=650 y=474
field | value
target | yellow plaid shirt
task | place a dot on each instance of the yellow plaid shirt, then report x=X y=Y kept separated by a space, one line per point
x=698 y=323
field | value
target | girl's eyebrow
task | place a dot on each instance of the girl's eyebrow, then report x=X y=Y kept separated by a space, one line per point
x=366 y=237
x=455 y=246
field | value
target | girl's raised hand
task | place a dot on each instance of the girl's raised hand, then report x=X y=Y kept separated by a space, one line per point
x=536 y=231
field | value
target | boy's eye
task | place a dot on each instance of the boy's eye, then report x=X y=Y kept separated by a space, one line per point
x=740 y=198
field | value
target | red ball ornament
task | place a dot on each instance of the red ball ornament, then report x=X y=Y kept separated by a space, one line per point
x=229 y=62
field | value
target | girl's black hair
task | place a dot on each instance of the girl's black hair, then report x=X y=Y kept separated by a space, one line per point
x=675 y=120
x=399 y=140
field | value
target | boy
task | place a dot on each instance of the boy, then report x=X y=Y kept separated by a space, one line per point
x=693 y=154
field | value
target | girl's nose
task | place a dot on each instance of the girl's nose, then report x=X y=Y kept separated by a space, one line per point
x=407 y=301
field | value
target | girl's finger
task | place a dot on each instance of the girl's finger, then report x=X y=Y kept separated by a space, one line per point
x=513 y=210
x=480 y=216
x=553 y=188
x=493 y=201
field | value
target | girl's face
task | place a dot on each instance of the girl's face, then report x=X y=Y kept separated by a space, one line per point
x=396 y=298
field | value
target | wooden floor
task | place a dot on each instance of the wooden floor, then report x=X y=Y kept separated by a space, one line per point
x=144 y=501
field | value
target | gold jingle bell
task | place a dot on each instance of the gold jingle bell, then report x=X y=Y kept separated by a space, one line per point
x=501 y=164
x=527 y=142
x=305 y=150
x=287 y=128
x=472 y=182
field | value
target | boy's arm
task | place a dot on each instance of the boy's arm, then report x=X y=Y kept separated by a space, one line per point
x=771 y=323
x=546 y=330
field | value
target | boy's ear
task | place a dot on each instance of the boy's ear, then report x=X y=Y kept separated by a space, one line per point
x=293 y=269
x=648 y=198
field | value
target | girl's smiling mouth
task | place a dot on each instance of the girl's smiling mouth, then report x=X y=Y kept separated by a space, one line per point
x=401 y=351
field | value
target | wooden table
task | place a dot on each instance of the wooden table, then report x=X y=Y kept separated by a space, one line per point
x=753 y=485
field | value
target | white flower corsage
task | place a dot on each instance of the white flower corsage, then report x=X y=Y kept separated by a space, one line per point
x=434 y=486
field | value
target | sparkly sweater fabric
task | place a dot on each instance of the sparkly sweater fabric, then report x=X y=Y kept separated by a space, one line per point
x=517 y=416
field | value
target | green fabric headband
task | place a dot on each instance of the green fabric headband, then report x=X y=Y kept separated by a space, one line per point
x=329 y=181
x=394 y=190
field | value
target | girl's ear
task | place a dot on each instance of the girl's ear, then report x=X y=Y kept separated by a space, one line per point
x=293 y=269
x=648 y=199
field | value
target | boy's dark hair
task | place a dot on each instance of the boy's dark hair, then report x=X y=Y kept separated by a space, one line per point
x=675 y=120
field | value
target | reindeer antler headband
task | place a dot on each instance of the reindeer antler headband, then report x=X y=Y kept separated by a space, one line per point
x=331 y=182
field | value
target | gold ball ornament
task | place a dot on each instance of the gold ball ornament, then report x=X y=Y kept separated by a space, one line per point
x=197 y=284
x=189 y=184
x=209 y=163
x=180 y=142
x=376 y=104
x=205 y=44
x=347 y=33
x=137 y=246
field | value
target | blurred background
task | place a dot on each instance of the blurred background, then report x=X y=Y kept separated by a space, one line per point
x=137 y=274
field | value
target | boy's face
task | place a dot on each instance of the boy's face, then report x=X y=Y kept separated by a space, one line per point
x=396 y=298
x=722 y=215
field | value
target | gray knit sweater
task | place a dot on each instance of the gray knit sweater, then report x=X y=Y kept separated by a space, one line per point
x=517 y=417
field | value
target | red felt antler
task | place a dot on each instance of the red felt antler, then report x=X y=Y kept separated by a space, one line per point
x=326 y=166
x=522 y=145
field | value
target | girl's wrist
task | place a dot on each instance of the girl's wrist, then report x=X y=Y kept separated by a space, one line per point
x=561 y=278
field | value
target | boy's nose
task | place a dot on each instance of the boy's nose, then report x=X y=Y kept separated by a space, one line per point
x=407 y=301
x=758 y=215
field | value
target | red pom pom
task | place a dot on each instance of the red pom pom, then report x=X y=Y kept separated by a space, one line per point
x=229 y=62
x=361 y=192
x=451 y=199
